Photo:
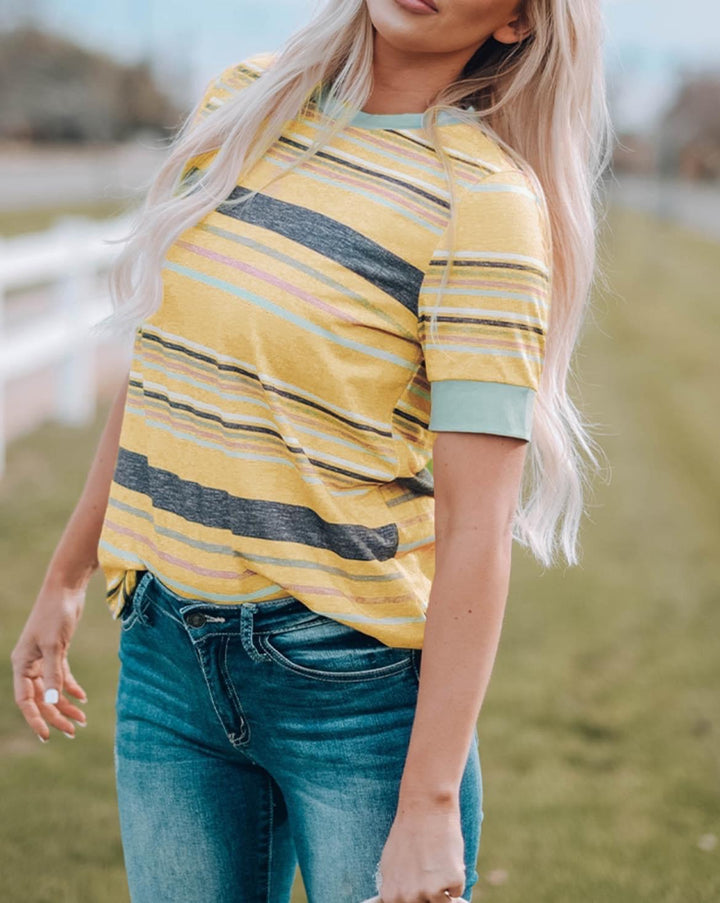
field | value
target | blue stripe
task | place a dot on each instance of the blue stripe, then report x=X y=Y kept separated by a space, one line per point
x=226 y=286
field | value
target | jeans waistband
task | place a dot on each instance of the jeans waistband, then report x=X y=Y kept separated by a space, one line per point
x=262 y=612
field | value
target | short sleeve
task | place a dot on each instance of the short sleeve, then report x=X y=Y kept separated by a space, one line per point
x=224 y=85
x=484 y=353
x=218 y=89
x=228 y=82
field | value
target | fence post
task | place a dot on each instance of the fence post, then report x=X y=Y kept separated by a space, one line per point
x=3 y=436
x=75 y=388
x=67 y=261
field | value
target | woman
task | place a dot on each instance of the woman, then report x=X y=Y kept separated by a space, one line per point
x=375 y=248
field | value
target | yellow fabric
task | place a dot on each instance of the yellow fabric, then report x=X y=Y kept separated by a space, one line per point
x=277 y=429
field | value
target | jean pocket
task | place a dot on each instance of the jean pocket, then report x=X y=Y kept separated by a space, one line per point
x=133 y=611
x=326 y=649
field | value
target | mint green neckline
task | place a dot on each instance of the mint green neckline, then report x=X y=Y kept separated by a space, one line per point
x=364 y=120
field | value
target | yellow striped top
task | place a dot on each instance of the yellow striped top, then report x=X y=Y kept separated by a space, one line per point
x=284 y=397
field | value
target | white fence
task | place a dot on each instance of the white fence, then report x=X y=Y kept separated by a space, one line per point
x=54 y=284
x=694 y=205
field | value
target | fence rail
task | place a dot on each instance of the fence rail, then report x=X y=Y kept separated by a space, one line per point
x=66 y=270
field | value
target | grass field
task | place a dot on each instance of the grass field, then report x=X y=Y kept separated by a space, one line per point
x=18 y=222
x=600 y=734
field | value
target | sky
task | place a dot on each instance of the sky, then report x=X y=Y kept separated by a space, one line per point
x=647 y=41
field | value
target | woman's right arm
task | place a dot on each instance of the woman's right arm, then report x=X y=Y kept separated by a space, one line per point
x=39 y=658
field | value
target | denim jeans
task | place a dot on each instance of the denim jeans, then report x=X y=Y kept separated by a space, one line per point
x=257 y=737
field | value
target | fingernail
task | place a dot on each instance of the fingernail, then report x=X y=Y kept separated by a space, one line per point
x=80 y=723
x=71 y=736
x=51 y=696
x=42 y=739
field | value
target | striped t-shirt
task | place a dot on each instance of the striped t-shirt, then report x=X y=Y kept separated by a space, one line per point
x=283 y=399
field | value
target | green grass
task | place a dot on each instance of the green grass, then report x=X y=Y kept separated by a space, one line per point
x=18 y=222
x=599 y=737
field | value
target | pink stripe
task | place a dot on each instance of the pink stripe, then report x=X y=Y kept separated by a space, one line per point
x=297 y=588
x=270 y=280
x=401 y=200
x=295 y=418
x=218 y=437
x=302 y=466
x=491 y=343
x=174 y=560
x=511 y=286
x=405 y=152
x=469 y=174
x=220 y=380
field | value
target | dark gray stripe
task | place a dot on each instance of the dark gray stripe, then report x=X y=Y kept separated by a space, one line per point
x=372 y=173
x=278 y=521
x=491 y=264
x=225 y=367
x=246 y=428
x=420 y=483
x=334 y=240
x=482 y=321
x=410 y=418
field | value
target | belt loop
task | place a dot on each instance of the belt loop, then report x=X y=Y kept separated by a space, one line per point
x=141 y=597
x=247 y=632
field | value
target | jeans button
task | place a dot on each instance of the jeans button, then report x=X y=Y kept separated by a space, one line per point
x=196 y=619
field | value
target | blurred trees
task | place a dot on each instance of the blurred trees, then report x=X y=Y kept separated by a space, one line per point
x=690 y=130
x=685 y=140
x=52 y=90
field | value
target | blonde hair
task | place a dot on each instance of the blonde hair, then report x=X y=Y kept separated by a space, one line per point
x=542 y=99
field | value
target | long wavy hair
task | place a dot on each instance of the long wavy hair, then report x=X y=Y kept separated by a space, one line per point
x=542 y=99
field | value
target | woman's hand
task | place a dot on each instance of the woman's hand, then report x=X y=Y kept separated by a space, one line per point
x=423 y=856
x=40 y=665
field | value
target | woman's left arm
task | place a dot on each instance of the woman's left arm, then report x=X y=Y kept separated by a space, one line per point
x=477 y=484
x=483 y=360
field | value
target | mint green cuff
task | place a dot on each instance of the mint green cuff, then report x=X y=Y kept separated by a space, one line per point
x=474 y=406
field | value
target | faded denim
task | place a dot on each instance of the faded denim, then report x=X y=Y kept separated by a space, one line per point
x=253 y=738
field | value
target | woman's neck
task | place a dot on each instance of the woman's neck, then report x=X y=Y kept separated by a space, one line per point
x=408 y=82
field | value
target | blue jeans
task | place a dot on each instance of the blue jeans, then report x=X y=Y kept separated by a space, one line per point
x=253 y=738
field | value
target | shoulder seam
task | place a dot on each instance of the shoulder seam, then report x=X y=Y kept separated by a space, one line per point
x=513 y=171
